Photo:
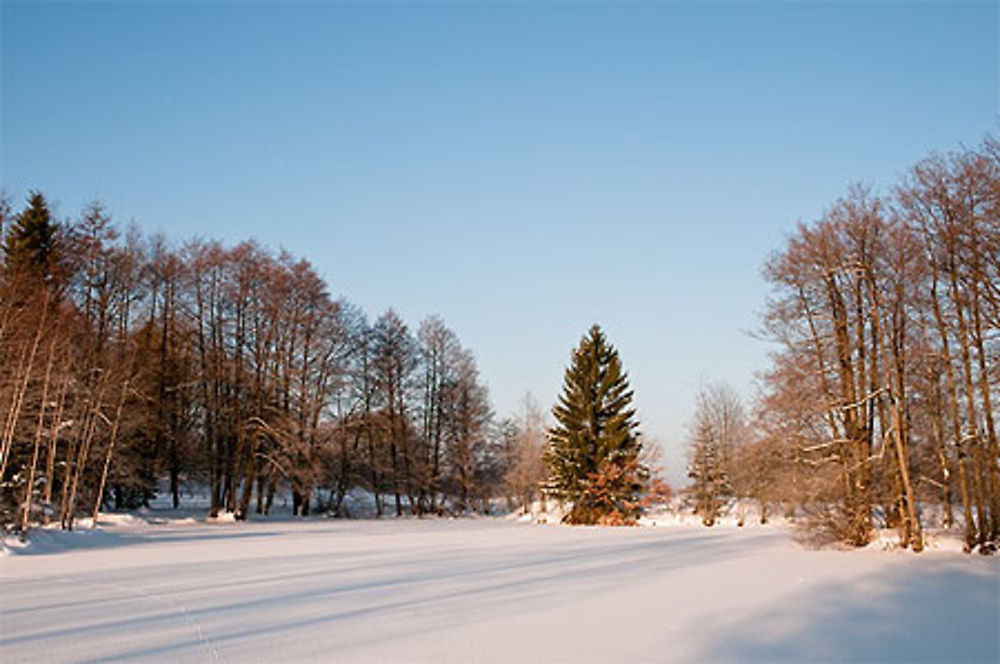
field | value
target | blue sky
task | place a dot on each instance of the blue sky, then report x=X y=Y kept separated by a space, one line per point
x=521 y=169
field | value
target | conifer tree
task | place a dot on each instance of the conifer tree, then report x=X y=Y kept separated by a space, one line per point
x=31 y=239
x=718 y=432
x=593 y=455
x=709 y=483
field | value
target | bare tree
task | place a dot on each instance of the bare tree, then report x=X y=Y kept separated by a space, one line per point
x=526 y=456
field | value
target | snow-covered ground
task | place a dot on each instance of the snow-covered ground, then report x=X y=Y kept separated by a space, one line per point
x=486 y=590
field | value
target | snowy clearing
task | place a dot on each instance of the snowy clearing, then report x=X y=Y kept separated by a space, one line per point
x=485 y=590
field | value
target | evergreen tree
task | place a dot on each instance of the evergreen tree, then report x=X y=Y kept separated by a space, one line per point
x=709 y=484
x=30 y=243
x=718 y=432
x=593 y=455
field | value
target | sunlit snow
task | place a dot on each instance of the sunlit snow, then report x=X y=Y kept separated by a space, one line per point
x=483 y=590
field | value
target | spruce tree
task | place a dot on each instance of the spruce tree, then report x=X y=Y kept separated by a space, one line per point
x=709 y=484
x=718 y=432
x=30 y=243
x=593 y=455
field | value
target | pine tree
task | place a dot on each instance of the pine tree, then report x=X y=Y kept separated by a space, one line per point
x=593 y=455
x=30 y=243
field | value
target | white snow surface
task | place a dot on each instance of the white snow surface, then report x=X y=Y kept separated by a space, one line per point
x=483 y=590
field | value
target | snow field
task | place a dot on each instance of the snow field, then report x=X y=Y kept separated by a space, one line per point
x=484 y=590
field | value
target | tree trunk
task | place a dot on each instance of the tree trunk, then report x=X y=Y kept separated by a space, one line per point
x=30 y=488
x=113 y=438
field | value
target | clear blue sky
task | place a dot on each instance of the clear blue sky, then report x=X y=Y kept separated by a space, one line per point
x=521 y=169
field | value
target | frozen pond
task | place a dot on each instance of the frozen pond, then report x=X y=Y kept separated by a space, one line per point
x=484 y=590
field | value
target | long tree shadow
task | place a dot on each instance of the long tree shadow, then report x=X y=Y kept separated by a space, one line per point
x=49 y=542
x=160 y=526
x=934 y=612
x=497 y=583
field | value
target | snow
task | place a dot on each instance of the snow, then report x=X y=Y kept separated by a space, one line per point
x=483 y=590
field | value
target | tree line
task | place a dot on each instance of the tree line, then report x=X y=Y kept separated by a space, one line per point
x=878 y=409
x=125 y=360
